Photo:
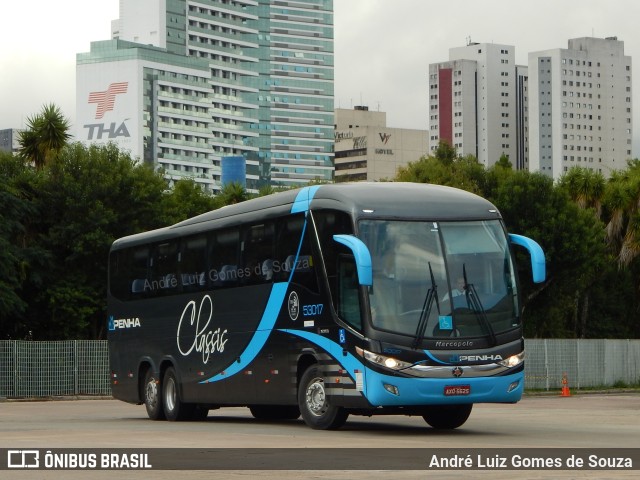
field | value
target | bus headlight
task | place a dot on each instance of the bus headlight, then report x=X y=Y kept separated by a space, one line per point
x=382 y=360
x=513 y=360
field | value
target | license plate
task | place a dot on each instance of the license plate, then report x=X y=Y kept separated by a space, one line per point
x=456 y=390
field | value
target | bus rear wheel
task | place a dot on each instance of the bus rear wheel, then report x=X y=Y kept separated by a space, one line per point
x=314 y=404
x=174 y=408
x=447 y=417
x=152 y=396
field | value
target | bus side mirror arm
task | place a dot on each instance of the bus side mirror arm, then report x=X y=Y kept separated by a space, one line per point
x=362 y=256
x=538 y=263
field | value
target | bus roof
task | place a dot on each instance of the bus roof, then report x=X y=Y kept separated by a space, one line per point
x=407 y=200
x=361 y=199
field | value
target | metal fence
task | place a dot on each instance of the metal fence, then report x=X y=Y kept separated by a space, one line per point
x=81 y=367
x=45 y=369
x=586 y=363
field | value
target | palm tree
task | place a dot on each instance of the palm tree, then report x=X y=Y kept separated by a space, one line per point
x=616 y=200
x=585 y=187
x=30 y=149
x=232 y=193
x=46 y=134
x=622 y=199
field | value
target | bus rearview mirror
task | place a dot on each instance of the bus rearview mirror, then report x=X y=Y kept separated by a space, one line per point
x=538 y=263
x=362 y=256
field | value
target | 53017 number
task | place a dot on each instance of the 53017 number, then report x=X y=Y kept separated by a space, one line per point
x=310 y=310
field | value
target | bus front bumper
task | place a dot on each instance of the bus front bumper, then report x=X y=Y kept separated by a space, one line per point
x=386 y=390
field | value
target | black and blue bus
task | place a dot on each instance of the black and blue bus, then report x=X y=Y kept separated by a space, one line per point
x=326 y=301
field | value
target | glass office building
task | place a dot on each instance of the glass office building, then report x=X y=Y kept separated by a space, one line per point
x=269 y=75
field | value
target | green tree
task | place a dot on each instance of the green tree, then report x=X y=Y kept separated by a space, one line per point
x=86 y=199
x=573 y=241
x=266 y=189
x=460 y=172
x=12 y=211
x=504 y=162
x=585 y=187
x=45 y=136
x=187 y=199
x=17 y=214
x=445 y=153
x=232 y=193
x=622 y=202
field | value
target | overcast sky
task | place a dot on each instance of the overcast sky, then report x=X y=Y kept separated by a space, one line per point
x=383 y=48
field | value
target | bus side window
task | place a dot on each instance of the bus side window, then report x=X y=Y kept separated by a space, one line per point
x=329 y=223
x=120 y=279
x=257 y=254
x=164 y=269
x=224 y=257
x=193 y=264
x=139 y=272
x=293 y=255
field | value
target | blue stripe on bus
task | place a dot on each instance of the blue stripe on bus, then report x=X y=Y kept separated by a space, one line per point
x=349 y=362
x=430 y=355
x=259 y=339
x=276 y=299
x=302 y=202
x=295 y=262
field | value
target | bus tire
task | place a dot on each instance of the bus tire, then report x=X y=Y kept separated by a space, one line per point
x=447 y=417
x=174 y=408
x=275 y=412
x=315 y=407
x=151 y=391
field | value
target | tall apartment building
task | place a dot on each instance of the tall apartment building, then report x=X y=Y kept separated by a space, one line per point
x=582 y=113
x=184 y=84
x=477 y=103
x=367 y=149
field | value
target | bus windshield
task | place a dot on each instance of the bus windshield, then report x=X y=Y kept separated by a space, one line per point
x=441 y=279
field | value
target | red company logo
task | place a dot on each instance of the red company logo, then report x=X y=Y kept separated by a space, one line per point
x=106 y=100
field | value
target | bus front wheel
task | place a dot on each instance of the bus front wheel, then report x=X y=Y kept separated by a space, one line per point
x=152 y=396
x=315 y=406
x=447 y=417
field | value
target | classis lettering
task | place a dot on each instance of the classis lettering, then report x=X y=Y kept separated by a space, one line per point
x=202 y=340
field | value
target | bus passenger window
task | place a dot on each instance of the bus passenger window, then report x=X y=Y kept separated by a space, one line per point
x=258 y=251
x=294 y=255
x=193 y=264
x=164 y=269
x=121 y=277
x=224 y=258
x=139 y=272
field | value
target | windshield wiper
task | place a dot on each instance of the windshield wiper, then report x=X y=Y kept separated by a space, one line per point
x=432 y=294
x=473 y=301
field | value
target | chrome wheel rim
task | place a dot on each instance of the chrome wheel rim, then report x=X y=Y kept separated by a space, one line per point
x=316 y=397
x=170 y=395
x=151 y=393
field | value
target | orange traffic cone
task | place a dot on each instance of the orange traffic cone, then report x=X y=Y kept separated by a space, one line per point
x=565 y=386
